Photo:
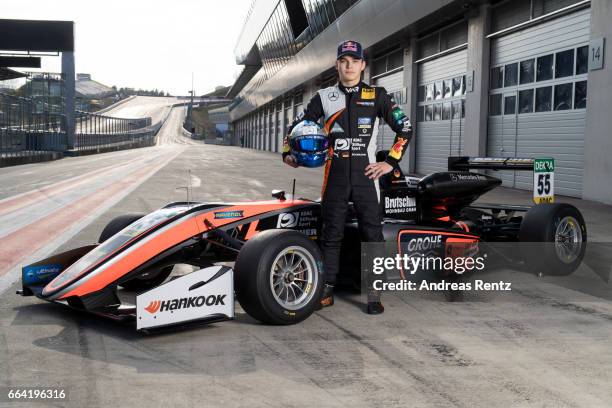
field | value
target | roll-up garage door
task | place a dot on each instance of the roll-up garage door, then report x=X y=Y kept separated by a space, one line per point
x=394 y=85
x=440 y=111
x=537 y=101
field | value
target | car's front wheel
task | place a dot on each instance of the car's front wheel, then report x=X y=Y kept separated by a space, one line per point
x=279 y=277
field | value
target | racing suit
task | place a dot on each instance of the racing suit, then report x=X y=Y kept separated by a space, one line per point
x=351 y=118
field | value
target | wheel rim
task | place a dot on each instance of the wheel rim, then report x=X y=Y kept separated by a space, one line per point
x=568 y=239
x=293 y=277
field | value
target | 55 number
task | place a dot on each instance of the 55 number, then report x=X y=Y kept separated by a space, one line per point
x=544 y=184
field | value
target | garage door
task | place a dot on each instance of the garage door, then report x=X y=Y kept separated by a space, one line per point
x=394 y=84
x=537 y=101
x=440 y=111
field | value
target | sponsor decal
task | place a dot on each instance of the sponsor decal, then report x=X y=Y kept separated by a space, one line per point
x=413 y=181
x=355 y=144
x=287 y=220
x=342 y=144
x=185 y=303
x=228 y=214
x=153 y=306
x=35 y=274
x=353 y=89
x=407 y=126
x=365 y=130
x=396 y=150
x=396 y=173
x=466 y=177
x=425 y=243
x=302 y=219
x=399 y=205
x=544 y=180
x=364 y=121
x=368 y=93
x=364 y=103
x=333 y=96
x=397 y=114
x=349 y=46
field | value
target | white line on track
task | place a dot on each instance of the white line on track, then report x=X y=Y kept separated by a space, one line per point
x=14 y=273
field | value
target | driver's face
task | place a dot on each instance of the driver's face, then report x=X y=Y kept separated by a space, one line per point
x=349 y=69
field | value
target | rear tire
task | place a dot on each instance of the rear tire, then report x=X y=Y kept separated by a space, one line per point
x=146 y=280
x=559 y=237
x=279 y=277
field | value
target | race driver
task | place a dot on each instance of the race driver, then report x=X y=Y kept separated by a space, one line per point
x=351 y=110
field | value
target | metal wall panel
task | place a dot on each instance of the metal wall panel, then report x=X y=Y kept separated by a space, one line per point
x=436 y=140
x=565 y=32
x=392 y=82
x=558 y=134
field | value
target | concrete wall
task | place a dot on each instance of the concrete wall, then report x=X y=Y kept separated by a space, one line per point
x=598 y=136
x=476 y=101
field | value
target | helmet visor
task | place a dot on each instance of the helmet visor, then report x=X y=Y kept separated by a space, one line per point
x=310 y=144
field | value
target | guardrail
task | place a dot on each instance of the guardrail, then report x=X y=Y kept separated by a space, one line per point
x=95 y=131
x=32 y=131
x=29 y=128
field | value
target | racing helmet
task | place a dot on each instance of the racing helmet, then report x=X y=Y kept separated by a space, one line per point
x=308 y=144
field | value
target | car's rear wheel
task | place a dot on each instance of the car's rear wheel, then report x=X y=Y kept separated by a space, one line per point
x=278 y=277
x=553 y=238
x=149 y=278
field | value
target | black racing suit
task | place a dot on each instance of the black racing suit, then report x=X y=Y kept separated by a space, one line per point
x=351 y=122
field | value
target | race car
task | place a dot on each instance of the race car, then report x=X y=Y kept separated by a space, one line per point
x=273 y=245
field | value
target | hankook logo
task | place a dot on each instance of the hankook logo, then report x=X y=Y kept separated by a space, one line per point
x=184 y=303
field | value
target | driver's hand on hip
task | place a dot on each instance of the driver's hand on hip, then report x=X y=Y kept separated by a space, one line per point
x=290 y=160
x=375 y=170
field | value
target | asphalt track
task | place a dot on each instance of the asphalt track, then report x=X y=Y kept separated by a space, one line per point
x=545 y=344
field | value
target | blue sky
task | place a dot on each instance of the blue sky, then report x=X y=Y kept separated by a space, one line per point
x=146 y=44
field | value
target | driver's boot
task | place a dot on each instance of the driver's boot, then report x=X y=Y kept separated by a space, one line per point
x=327 y=297
x=375 y=306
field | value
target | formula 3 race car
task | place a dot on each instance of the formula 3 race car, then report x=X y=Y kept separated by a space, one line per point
x=277 y=272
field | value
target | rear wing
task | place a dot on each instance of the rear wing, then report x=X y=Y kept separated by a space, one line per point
x=465 y=163
x=543 y=171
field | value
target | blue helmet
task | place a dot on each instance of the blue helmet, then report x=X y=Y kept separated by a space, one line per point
x=308 y=144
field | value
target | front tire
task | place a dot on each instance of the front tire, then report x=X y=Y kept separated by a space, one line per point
x=279 y=277
x=148 y=279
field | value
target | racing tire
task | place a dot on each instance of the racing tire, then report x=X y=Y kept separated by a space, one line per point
x=146 y=280
x=553 y=239
x=279 y=277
